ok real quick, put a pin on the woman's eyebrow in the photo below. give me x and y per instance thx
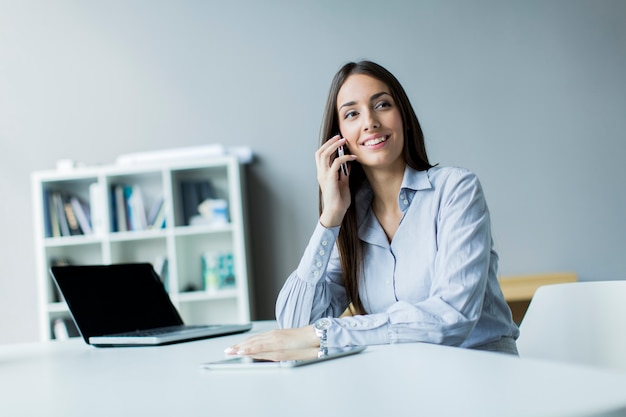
(349, 103)
(377, 95)
(372, 98)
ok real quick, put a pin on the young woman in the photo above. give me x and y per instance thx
(404, 246)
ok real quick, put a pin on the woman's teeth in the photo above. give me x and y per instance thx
(376, 141)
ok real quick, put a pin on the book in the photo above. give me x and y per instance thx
(72, 222)
(160, 267)
(97, 218)
(135, 207)
(160, 220)
(119, 208)
(156, 215)
(82, 213)
(64, 328)
(60, 213)
(47, 226)
(55, 227)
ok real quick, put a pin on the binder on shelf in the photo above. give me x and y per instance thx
(193, 194)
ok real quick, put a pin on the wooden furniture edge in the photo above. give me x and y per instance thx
(523, 287)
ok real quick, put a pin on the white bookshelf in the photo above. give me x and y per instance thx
(183, 245)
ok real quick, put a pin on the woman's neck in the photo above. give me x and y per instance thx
(385, 184)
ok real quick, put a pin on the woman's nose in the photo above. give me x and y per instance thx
(371, 121)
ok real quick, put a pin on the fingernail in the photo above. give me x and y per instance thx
(241, 352)
(229, 350)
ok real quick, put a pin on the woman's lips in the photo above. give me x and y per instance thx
(375, 141)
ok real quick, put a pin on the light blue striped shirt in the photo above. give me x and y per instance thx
(435, 282)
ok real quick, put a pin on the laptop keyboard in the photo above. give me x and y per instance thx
(162, 330)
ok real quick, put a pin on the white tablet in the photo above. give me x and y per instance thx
(283, 359)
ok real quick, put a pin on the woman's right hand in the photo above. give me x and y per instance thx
(334, 185)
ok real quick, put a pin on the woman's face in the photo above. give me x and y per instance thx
(371, 122)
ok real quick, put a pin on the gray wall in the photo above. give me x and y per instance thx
(531, 95)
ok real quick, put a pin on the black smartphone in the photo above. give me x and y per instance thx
(344, 166)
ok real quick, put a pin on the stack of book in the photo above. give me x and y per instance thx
(129, 212)
(66, 215)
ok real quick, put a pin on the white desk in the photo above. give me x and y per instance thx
(73, 379)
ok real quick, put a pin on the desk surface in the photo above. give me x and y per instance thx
(73, 379)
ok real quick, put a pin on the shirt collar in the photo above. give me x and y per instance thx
(412, 181)
(415, 180)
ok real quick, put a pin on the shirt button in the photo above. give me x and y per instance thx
(318, 264)
(406, 202)
(324, 243)
(402, 196)
(322, 252)
(316, 273)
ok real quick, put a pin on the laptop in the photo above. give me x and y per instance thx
(127, 305)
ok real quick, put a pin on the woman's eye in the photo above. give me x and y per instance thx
(350, 114)
(382, 104)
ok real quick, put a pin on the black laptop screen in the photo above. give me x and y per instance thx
(107, 299)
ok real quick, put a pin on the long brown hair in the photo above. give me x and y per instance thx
(348, 242)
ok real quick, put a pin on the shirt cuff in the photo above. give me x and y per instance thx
(371, 329)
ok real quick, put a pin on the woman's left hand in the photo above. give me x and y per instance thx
(274, 340)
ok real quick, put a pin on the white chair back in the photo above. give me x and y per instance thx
(580, 322)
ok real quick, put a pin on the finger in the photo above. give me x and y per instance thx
(328, 149)
(342, 160)
(340, 164)
(254, 344)
(330, 142)
(274, 340)
(332, 160)
(326, 145)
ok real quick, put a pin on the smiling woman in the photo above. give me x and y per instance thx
(405, 245)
